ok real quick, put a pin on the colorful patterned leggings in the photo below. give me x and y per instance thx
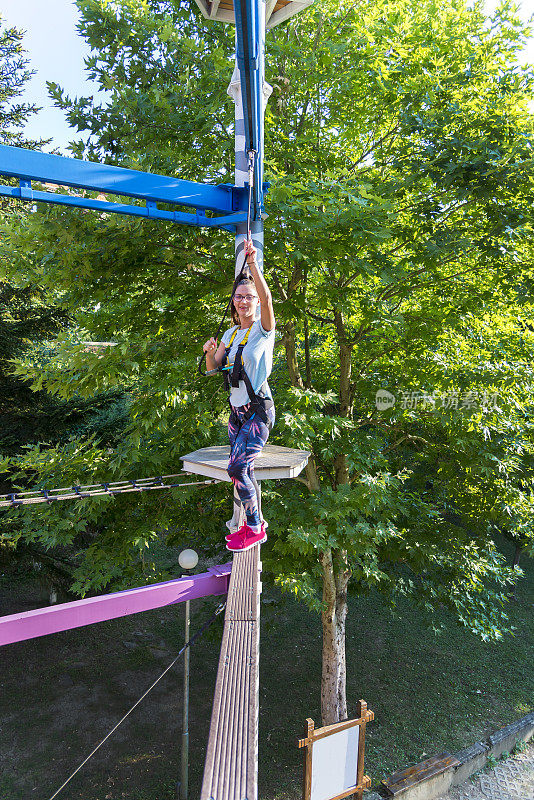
(247, 440)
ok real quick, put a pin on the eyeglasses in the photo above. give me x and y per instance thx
(249, 297)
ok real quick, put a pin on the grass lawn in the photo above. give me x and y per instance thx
(59, 695)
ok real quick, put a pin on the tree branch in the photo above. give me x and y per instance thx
(319, 318)
(277, 283)
(391, 291)
(376, 144)
(408, 437)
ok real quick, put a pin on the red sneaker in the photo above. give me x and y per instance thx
(245, 538)
(264, 526)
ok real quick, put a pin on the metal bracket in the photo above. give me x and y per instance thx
(26, 190)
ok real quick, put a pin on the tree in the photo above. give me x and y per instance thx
(26, 313)
(422, 210)
(31, 316)
(398, 245)
(15, 74)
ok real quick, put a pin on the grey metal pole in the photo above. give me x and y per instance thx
(241, 156)
(184, 783)
(241, 178)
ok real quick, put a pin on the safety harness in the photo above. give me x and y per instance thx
(235, 372)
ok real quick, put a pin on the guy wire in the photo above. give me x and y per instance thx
(193, 639)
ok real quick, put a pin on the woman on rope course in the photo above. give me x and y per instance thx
(245, 355)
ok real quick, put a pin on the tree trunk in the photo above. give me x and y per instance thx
(334, 673)
(517, 555)
(307, 355)
(336, 572)
(341, 466)
(291, 355)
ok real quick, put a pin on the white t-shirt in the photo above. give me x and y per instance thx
(257, 360)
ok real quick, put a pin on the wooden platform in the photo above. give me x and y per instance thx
(231, 768)
(273, 462)
(276, 11)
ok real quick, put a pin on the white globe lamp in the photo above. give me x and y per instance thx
(188, 559)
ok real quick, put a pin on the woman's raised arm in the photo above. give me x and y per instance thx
(264, 293)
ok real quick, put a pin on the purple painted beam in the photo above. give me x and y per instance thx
(64, 617)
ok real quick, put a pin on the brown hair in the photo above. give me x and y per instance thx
(233, 310)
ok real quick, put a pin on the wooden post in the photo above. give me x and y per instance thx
(184, 782)
(361, 711)
(306, 791)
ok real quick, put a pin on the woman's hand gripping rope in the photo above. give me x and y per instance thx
(210, 345)
(213, 356)
(250, 252)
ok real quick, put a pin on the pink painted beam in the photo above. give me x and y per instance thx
(64, 617)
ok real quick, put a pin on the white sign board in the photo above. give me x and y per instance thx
(335, 764)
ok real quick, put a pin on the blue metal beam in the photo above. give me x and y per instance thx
(250, 59)
(226, 222)
(16, 162)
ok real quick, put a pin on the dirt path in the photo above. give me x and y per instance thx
(512, 779)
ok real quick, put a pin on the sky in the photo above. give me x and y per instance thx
(56, 52)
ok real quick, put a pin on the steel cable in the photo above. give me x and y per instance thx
(193, 639)
(30, 497)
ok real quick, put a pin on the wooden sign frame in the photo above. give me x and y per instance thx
(313, 734)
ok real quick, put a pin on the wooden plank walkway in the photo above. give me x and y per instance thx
(231, 768)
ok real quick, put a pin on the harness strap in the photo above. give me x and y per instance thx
(258, 406)
(257, 402)
(237, 366)
(225, 366)
(234, 334)
(229, 345)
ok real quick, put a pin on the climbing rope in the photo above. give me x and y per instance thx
(251, 160)
(242, 273)
(96, 490)
(191, 641)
